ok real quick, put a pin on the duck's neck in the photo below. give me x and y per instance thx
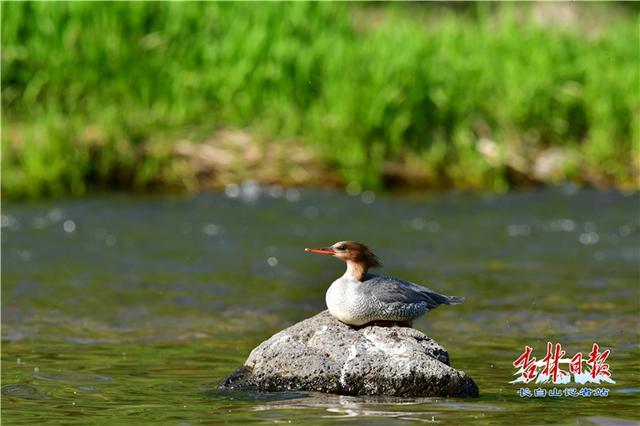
(356, 270)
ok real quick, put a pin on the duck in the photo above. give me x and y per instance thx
(359, 298)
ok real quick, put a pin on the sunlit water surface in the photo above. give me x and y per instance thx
(131, 309)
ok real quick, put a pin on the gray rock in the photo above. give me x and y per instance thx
(324, 355)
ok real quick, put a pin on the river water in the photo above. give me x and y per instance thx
(122, 309)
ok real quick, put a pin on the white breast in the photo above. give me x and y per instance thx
(345, 303)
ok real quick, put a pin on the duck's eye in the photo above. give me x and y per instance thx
(341, 247)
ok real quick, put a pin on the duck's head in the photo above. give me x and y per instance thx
(351, 252)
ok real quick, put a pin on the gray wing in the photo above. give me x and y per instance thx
(390, 290)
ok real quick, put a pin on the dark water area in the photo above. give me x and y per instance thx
(128, 309)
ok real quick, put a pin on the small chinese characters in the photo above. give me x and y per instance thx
(553, 368)
(584, 392)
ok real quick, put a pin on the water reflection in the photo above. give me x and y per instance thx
(70, 377)
(430, 410)
(21, 391)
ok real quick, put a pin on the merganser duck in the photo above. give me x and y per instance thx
(358, 298)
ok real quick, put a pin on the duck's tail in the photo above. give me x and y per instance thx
(454, 300)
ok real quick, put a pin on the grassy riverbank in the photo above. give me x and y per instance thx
(98, 95)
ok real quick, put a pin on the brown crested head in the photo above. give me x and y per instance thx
(351, 251)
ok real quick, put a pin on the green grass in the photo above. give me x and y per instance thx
(94, 94)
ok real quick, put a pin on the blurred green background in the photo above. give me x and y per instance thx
(189, 96)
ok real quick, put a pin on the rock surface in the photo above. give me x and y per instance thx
(324, 355)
